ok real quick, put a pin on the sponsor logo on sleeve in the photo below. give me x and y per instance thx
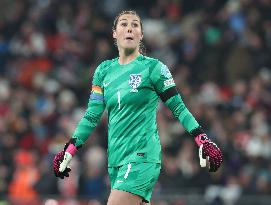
(169, 82)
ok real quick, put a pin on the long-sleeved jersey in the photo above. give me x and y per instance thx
(131, 94)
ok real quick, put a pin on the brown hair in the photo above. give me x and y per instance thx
(142, 48)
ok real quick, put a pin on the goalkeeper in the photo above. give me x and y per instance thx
(129, 87)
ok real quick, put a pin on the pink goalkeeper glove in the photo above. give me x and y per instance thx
(208, 150)
(63, 159)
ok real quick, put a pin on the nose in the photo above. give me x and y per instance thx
(129, 29)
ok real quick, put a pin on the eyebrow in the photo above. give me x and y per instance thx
(126, 20)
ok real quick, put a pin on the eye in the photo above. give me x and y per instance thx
(123, 24)
(135, 25)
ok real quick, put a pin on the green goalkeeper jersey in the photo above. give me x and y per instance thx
(130, 93)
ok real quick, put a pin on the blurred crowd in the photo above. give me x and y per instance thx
(219, 54)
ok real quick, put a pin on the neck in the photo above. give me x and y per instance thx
(126, 56)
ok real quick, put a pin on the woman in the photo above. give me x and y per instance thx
(129, 87)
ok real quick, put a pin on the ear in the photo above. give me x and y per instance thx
(114, 34)
(141, 37)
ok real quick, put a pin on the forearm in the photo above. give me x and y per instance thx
(180, 111)
(88, 122)
(83, 131)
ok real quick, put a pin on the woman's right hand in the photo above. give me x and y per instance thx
(58, 163)
(63, 159)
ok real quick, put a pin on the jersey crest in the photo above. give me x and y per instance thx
(134, 81)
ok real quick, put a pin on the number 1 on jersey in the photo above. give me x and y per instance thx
(118, 93)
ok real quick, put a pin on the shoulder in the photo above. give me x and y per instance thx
(107, 63)
(153, 64)
(149, 61)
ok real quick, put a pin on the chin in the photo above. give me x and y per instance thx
(131, 44)
(129, 49)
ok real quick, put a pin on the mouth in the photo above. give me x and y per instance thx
(129, 38)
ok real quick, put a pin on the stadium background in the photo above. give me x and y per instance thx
(219, 53)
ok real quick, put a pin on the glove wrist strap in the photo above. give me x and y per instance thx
(71, 149)
(201, 139)
(199, 136)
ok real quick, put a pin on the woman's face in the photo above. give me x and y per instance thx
(128, 33)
